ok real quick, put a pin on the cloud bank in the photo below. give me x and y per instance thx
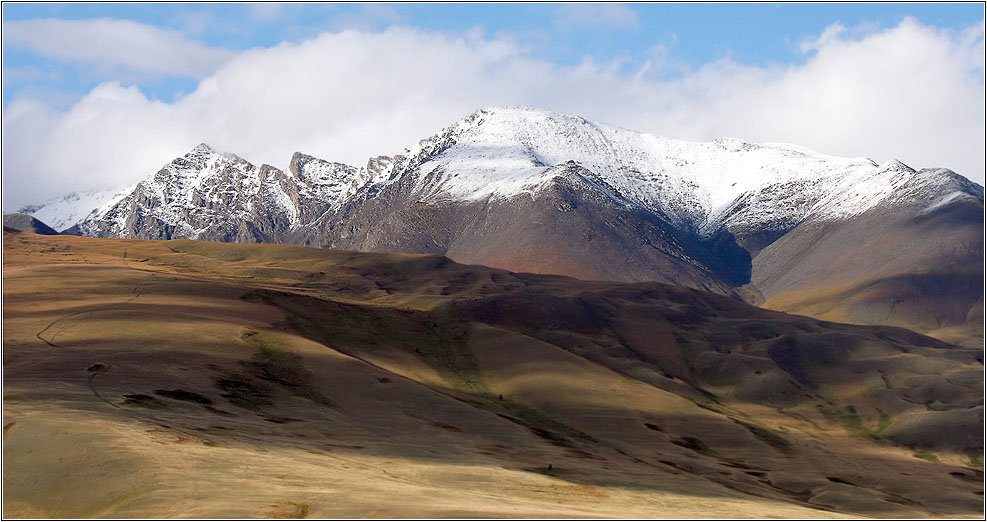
(912, 92)
(116, 44)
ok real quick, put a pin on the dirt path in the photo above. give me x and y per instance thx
(98, 368)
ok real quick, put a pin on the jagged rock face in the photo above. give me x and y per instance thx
(531, 190)
(203, 195)
(220, 197)
(322, 185)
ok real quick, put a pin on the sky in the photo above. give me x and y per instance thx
(99, 96)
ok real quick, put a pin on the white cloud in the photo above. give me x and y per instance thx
(113, 44)
(912, 92)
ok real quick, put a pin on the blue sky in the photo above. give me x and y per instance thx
(84, 81)
(692, 33)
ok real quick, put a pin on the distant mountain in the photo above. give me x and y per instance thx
(26, 223)
(537, 191)
(63, 212)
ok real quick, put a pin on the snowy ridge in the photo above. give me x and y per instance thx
(504, 153)
(323, 185)
(204, 185)
(211, 195)
(62, 213)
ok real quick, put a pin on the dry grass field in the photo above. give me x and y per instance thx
(183, 379)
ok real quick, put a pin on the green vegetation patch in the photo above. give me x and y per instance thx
(851, 421)
(883, 422)
(848, 417)
(273, 363)
(925, 455)
(976, 460)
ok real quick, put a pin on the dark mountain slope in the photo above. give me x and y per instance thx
(576, 226)
(26, 223)
(917, 264)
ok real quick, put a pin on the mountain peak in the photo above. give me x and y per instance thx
(507, 109)
(297, 162)
(518, 116)
(202, 148)
(895, 165)
(300, 156)
(304, 166)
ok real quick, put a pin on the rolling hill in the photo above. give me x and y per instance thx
(198, 379)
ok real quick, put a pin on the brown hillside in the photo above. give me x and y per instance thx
(209, 380)
(922, 271)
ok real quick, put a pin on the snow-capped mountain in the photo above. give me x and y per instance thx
(219, 196)
(63, 212)
(501, 153)
(530, 190)
(504, 152)
(202, 195)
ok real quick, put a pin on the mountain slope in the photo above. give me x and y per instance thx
(574, 226)
(287, 381)
(917, 262)
(532, 190)
(26, 223)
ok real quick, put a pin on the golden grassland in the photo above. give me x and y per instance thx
(198, 380)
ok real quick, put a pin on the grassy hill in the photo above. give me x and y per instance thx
(206, 380)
